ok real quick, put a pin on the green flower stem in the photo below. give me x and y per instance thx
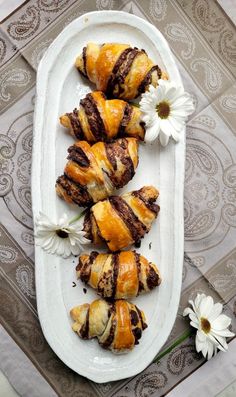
(135, 104)
(184, 336)
(77, 217)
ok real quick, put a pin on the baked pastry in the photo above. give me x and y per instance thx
(99, 119)
(118, 325)
(94, 172)
(120, 221)
(119, 275)
(118, 69)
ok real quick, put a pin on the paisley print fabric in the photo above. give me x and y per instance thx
(203, 43)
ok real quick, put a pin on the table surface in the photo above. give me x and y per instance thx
(202, 38)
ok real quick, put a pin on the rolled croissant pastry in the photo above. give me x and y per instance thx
(120, 221)
(119, 275)
(99, 119)
(118, 326)
(118, 69)
(94, 172)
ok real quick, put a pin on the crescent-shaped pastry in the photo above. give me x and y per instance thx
(94, 172)
(100, 119)
(119, 70)
(117, 325)
(119, 275)
(120, 221)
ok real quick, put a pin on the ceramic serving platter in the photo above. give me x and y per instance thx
(59, 89)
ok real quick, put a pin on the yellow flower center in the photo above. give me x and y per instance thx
(205, 325)
(61, 233)
(163, 109)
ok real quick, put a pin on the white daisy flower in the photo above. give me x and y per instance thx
(212, 326)
(61, 238)
(165, 110)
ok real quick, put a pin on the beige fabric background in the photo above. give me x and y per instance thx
(202, 39)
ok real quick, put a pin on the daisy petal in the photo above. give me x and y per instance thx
(201, 336)
(206, 306)
(221, 322)
(215, 311)
(164, 138)
(210, 349)
(187, 311)
(223, 332)
(152, 132)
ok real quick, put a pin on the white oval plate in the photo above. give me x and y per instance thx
(59, 89)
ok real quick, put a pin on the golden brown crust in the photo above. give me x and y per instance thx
(128, 275)
(122, 275)
(120, 70)
(111, 227)
(124, 338)
(118, 326)
(108, 56)
(94, 172)
(122, 221)
(100, 119)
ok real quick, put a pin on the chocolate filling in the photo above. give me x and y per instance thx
(75, 124)
(119, 151)
(147, 79)
(149, 203)
(88, 226)
(134, 317)
(126, 119)
(112, 79)
(142, 125)
(111, 335)
(95, 121)
(138, 264)
(137, 332)
(84, 332)
(84, 55)
(78, 193)
(79, 266)
(121, 70)
(144, 325)
(98, 231)
(115, 267)
(152, 278)
(136, 227)
(77, 155)
(86, 272)
(111, 152)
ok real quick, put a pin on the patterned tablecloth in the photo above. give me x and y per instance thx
(203, 42)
